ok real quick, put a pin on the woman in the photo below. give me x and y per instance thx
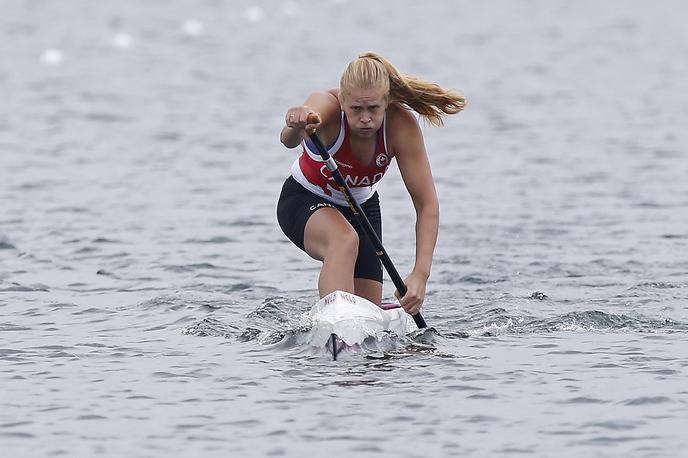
(366, 123)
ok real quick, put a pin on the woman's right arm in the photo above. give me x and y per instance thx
(324, 104)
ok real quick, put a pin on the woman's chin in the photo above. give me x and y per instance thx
(365, 132)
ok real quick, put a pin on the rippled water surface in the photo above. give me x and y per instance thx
(150, 306)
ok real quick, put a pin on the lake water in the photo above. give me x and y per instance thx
(150, 305)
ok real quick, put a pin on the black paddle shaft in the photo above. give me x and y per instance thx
(364, 221)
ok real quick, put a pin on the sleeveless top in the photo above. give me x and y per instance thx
(310, 171)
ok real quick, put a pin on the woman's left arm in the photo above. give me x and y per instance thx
(415, 170)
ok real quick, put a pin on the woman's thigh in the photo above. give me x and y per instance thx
(328, 229)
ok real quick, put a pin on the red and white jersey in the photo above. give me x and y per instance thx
(312, 173)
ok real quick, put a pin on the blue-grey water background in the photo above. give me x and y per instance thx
(150, 306)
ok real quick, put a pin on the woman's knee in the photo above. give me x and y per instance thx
(328, 233)
(341, 243)
(345, 243)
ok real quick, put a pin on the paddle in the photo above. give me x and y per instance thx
(361, 216)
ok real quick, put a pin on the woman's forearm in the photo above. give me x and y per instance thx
(427, 224)
(291, 137)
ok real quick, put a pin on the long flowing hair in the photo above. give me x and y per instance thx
(426, 98)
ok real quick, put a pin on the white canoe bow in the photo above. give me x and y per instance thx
(351, 319)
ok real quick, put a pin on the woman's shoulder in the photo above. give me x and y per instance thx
(400, 117)
(326, 104)
(325, 99)
(334, 92)
(402, 124)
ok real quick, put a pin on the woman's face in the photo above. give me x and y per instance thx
(364, 110)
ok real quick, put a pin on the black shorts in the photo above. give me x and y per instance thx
(296, 204)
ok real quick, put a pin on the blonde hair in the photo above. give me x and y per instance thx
(372, 71)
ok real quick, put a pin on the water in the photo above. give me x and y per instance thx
(150, 306)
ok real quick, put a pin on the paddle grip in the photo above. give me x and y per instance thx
(313, 118)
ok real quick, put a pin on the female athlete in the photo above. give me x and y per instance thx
(365, 123)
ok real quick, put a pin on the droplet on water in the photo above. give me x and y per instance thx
(253, 14)
(122, 40)
(52, 57)
(193, 28)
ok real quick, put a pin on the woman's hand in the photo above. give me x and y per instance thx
(302, 118)
(415, 292)
(318, 111)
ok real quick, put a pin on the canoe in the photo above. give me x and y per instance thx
(342, 319)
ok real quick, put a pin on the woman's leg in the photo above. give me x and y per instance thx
(369, 289)
(329, 237)
(368, 269)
